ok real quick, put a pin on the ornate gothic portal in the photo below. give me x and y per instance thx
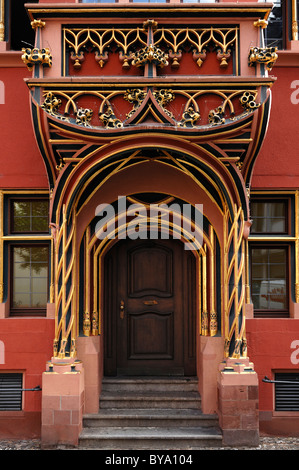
(157, 112)
(193, 141)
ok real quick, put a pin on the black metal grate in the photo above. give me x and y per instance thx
(287, 392)
(10, 392)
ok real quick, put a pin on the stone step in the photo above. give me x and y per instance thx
(152, 384)
(178, 400)
(149, 417)
(150, 414)
(150, 438)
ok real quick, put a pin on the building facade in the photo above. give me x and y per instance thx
(149, 217)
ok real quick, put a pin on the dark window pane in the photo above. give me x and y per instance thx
(30, 216)
(274, 31)
(269, 217)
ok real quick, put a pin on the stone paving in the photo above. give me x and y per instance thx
(266, 443)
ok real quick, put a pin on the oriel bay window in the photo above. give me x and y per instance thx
(269, 256)
(29, 254)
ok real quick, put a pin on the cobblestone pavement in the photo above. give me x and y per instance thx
(266, 443)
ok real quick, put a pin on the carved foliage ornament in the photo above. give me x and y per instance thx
(150, 54)
(266, 55)
(137, 97)
(36, 56)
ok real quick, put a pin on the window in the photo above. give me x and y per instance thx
(29, 279)
(269, 254)
(287, 391)
(269, 216)
(282, 24)
(30, 216)
(274, 31)
(28, 224)
(269, 280)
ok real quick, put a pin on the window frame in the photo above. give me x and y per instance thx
(275, 240)
(287, 202)
(26, 311)
(11, 215)
(273, 313)
(9, 239)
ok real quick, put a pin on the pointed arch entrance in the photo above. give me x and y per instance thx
(186, 174)
(150, 299)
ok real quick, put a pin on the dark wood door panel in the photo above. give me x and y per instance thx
(150, 271)
(150, 334)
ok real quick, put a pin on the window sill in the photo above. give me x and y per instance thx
(286, 414)
(288, 58)
(28, 314)
(271, 316)
(10, 58)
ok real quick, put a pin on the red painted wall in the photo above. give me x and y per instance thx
(21, 165)
(277, 165)
(26, 344)
(273, 346)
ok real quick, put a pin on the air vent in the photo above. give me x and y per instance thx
(287, 392)
(10, 392)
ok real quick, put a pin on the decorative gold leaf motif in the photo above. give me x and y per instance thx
(36, 56)
(266, 55)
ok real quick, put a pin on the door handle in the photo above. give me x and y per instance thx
(150, 302)
(122, 310)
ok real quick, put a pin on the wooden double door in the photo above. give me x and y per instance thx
(150, 303)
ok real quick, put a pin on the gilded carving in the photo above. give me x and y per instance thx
(109, 119)
(37, 24)
(163, 97)
(189, 118)
(84, 116)
(247, 100)
(216, 116)
(86, 324)
(51, 103)
(213, 323)
(139, 46)
(150, 54)
(135, 97)
(266, 55)
(36, 56)
(95, 323)
(81, 40)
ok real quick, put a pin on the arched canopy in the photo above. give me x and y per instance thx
(76, 185)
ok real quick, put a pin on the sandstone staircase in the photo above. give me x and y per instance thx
(150, 414)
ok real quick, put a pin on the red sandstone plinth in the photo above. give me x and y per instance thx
(62, 402)
(238, 403)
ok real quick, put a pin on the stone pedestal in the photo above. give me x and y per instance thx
(89, 349)
(62, 402)
(238, 403)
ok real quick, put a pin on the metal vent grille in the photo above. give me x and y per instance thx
(287, 392)
(10, 392)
